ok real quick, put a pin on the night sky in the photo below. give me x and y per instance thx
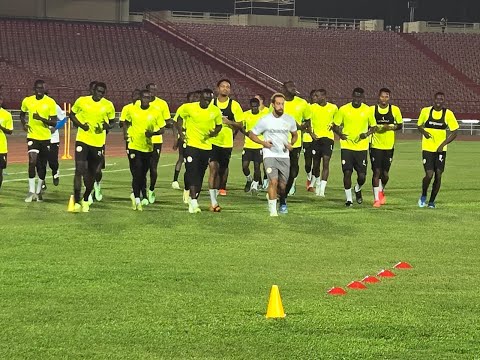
(394, 12)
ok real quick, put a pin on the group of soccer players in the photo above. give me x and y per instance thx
(204, 128)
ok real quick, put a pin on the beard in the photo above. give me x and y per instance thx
(278, 112)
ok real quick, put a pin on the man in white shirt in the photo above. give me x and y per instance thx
(276, 129)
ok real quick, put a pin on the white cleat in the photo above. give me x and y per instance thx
(175, 185)
(30, 197)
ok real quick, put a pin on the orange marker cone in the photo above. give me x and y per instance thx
(403, 265)
(357, 285)
(71, 204)
(386, 273)
(370, 280)
(336, 291)
(275, 307)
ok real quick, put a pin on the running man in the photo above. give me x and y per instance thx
(204, 122)
(223, 143)
(299, 109)
(389, 119)
(42, 113)
(276, 128)
(433, 123)
(357, 124)
(6, 128)
(251, 150)
(193, 96)
(141, 123)
(307, 148)
(323, 114)
(92, 116)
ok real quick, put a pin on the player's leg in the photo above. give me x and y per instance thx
(316, 160)
(257, 174)
(360, 166)
(272, 172)
(385, 174)
(437, 182)
(81, 170)
(41, 166)
(53, 162)
(375, 158)
(429, 168)
(246, 158)
(347, 168)
(3, 165)
(308, 157)
(326, 152)
(213, 177)
(178, 165)
(33, 150)
(154, 160)
(224, 170)
(294, 168)
(283, 168)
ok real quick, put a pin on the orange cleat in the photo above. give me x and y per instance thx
(382, 198)
(215, 208)
(222, 192)
(377, 204)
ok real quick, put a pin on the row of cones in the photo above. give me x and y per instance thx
(360, 285)
(275, 307)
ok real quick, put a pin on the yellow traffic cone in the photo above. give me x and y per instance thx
(71, 204)
(275, 307)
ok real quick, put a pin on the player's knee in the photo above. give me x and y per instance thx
(429, 174)
(361, 178)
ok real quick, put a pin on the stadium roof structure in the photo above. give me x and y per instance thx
(265, 7)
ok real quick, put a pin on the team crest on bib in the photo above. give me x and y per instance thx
(343, 162)
(243, 152)
(424, 161)
(132, 156)
(79, 149)
(313, 152)
(30, 143)
(189, 159)
(269, 170)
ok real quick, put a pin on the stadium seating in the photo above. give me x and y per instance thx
(70, 55)
(339, 61)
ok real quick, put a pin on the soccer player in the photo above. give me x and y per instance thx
(6, 128)
(42, 113)
(323, 114)
(92, 115)
(204, 122)
(433, 123)
(262, 106)
(142, 123)
(193, 96)
(389, 119)
(307, 148)
(299, 109)
(123, 116)
(251, 150)
(162, 106)
(276, 128)
(358, 124)
(223, 143)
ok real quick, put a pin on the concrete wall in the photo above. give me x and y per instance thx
(100, 10)
(423, 26)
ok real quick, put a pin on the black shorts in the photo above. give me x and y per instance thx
(92, 154)
(322, 147)
(3, 161)
(255, 155)
(307, 149)
(434, 160)
(196, 163)
(353, 159)
(157, 150)
(381, 159)
(295, 155)
(41, 147)
(221, 155)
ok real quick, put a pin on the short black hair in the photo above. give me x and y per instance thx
(100, 84)
(261, 96)
(210, 91)
(136, 91)
(149, 85)
(323, 91)
(92, 84)
(287, 82)
(359, 90)
(190, 94)
(313, 92)
(224, 80)
(38, 82)
(384, 90)
(254, 100)
(439, 93)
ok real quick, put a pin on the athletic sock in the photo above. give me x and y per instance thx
(357, 188)
(272, 206)
(309, 176)
(323, 186)
(31, 185)
(313, 181)
(249, 177)
(39, 186)
(376, 191)
(348, 195)
(254, 185)
(213, 196)
(380, 185)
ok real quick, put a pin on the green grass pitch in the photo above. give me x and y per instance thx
(165, 284)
